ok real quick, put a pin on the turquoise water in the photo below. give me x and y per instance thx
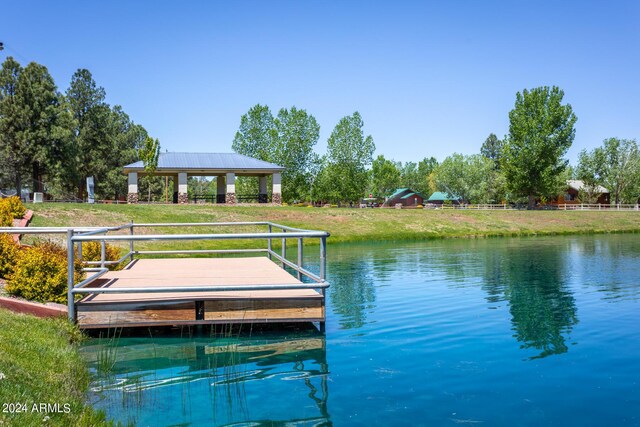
(499, 332)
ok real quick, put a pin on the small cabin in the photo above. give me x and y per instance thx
(404, 197)
(574, 187)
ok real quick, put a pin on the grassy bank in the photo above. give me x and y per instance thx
(40, 364)
(352, 225)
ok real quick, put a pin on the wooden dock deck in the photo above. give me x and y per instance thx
(110, 310)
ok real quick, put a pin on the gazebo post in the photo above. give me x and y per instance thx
(132, 196)
(183, 198)
(230, 197)
(276, 197)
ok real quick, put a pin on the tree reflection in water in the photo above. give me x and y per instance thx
(532, 278)
(352, 293)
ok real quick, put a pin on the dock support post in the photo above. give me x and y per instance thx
(131, 241)
(269, 243)
(284, 248)
(70, 277)
(199, 310)
(299, 258)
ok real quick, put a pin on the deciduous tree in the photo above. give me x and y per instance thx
(541, 131)
(385, 176)
(615, 166)
(149, 153)
(297, 133)
(467, 177)
(349, 152)
(257, 134)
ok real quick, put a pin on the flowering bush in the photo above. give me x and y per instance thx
(40, 273)
(8, 254)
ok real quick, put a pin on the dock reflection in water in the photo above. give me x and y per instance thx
(222, 379)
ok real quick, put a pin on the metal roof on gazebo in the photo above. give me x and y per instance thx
(207, 162)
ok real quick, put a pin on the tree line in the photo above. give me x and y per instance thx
(60, 139)
(526, 166)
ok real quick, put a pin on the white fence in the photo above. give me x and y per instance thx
(561, 206)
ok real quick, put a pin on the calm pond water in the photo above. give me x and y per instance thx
(500, 332)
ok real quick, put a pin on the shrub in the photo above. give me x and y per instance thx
(91, 251)
(8, 254)
(16, 207)
(40, 273)
(6, 219)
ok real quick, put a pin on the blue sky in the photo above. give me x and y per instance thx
(429, 78)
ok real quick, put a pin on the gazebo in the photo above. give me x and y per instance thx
(224, 166)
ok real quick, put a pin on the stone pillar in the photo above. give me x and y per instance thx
(262, 194)
(182, 188)
(276, 197)
(230, 198)
(221, 189)
(132, 196)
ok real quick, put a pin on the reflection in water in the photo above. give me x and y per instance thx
(542, 307)
(139, 378)
(531, 275)
(352, 293)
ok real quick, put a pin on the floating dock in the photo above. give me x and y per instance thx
(200, 286)
(133, 309)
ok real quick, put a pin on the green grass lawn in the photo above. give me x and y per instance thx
(351, 225)
(40, 364)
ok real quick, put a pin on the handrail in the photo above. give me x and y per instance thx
(56, 230)
(198, 224)
(229, 236)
